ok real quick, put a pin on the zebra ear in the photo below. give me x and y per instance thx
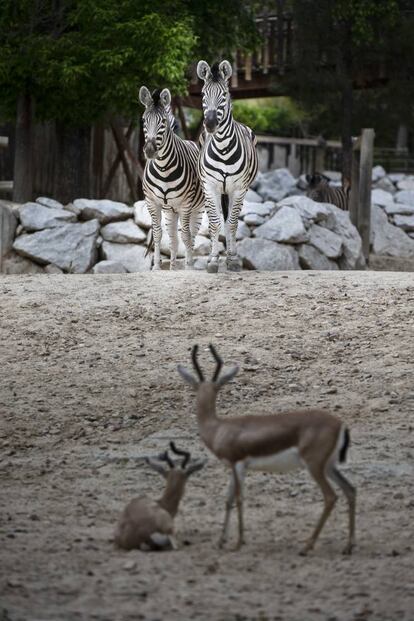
(165, 97)
(225, 69)
(203, 70)
(145, 96)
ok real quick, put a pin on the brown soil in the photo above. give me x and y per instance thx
(89, 384)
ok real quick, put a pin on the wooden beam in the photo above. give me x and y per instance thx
(120, 143)
(115, 164)
(354, 194)
(365, 182)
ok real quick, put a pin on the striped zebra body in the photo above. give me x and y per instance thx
(320, 191)
(171, 184)
(228, 160)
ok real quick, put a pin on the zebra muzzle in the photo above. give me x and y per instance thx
(150, 149)
(210, 121)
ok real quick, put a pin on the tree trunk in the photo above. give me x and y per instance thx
(347, 107)
(23, 160)
(73, 168)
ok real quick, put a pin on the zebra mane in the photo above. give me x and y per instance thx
(156, 97)
(215, 72)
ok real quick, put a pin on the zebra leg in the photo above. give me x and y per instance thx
(171, 222)
(186, 237)
(155, 213)
(235, 205)
(196, 218)
(213, 206)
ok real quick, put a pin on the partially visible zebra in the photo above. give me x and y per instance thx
(171, 184)
(320, 191)
(228, 160)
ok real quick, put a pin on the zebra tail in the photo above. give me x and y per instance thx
(150, 246)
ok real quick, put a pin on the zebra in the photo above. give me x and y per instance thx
(171, 184)
(227, 163)
(320, 191)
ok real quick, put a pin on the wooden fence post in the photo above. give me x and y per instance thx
(354, 194)
(365, 182)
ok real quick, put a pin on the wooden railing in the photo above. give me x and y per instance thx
(6, 187)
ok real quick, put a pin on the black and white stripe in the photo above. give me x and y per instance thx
(171, 184)
(320, 191)
(228, 160)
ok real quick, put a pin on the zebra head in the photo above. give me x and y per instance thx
(215, 92)
(157, 119)
(317, 184)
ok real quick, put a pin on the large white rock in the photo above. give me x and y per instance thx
(36, 217)
(378, 173)
(311, 259)
(165, 244)
(108, 267)
(404, 222)
(309, 210)
(326, 241)
(252, 197)
(131, 256)
(405, 196)
(406, 184)
(102, 210)
(275, 184)
(71, 247)
(204, 230)
(401, 208)
(334, 176)
(396, 177)
(262, 254)
(387, 239)
(49, 202)
(242, 230)
(259, 209)
(381, 198)
(340, 223)
(386, 184)
(202, 245)
(253, 219)
(8, 225)
(285, 226)
(141, 215)
(123, 232)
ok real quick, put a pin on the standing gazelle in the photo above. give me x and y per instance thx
(272, 443)
(147, 524)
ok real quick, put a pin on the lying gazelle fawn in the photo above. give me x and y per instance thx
(272, 443)
(147, 524)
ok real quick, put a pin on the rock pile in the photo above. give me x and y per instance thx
(279, 229)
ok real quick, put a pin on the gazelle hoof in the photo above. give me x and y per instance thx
(348, 549)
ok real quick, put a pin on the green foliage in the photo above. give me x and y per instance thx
(82, 60)
(280, 116)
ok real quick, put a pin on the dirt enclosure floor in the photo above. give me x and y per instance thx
(88, 384)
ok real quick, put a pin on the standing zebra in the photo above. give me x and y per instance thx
(228, 160)
(320, 191)
(171, 182)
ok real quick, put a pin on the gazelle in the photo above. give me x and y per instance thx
(146, 524)
(273, 443)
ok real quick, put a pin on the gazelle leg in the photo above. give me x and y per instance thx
(239, 503)
(350, 493)
(231, 494)
(329, 498)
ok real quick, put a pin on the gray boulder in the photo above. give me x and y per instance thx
(378, 173)
(123, 232)
(381, 197)
(253, 219)
(108, 267)
(339, 222)
(311, 259)
(141, 215)
(36, 217)
(262, 254)
(275, 184)
(8, 225)
(49, 202)
(334, 176)
(386, 184)
(71, 247)
(14, 264)
(405, 196)
(326, 241)
(407, 183)
(52, 269)
(404, 222)
(401, 208)
(387, 239)
(309, 210)
(71, 207)
(131, 256)
(102, 210)
(242, 230)
(259, 209)
(285, 226)
(252, 197)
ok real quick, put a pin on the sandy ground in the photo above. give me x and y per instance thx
(88, 384)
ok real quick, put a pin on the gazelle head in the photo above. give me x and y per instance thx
(215, 92)
(175, 471)
(207, 388)
(157, 119)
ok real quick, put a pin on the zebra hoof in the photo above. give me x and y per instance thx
(156, 267)
(212, 267)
